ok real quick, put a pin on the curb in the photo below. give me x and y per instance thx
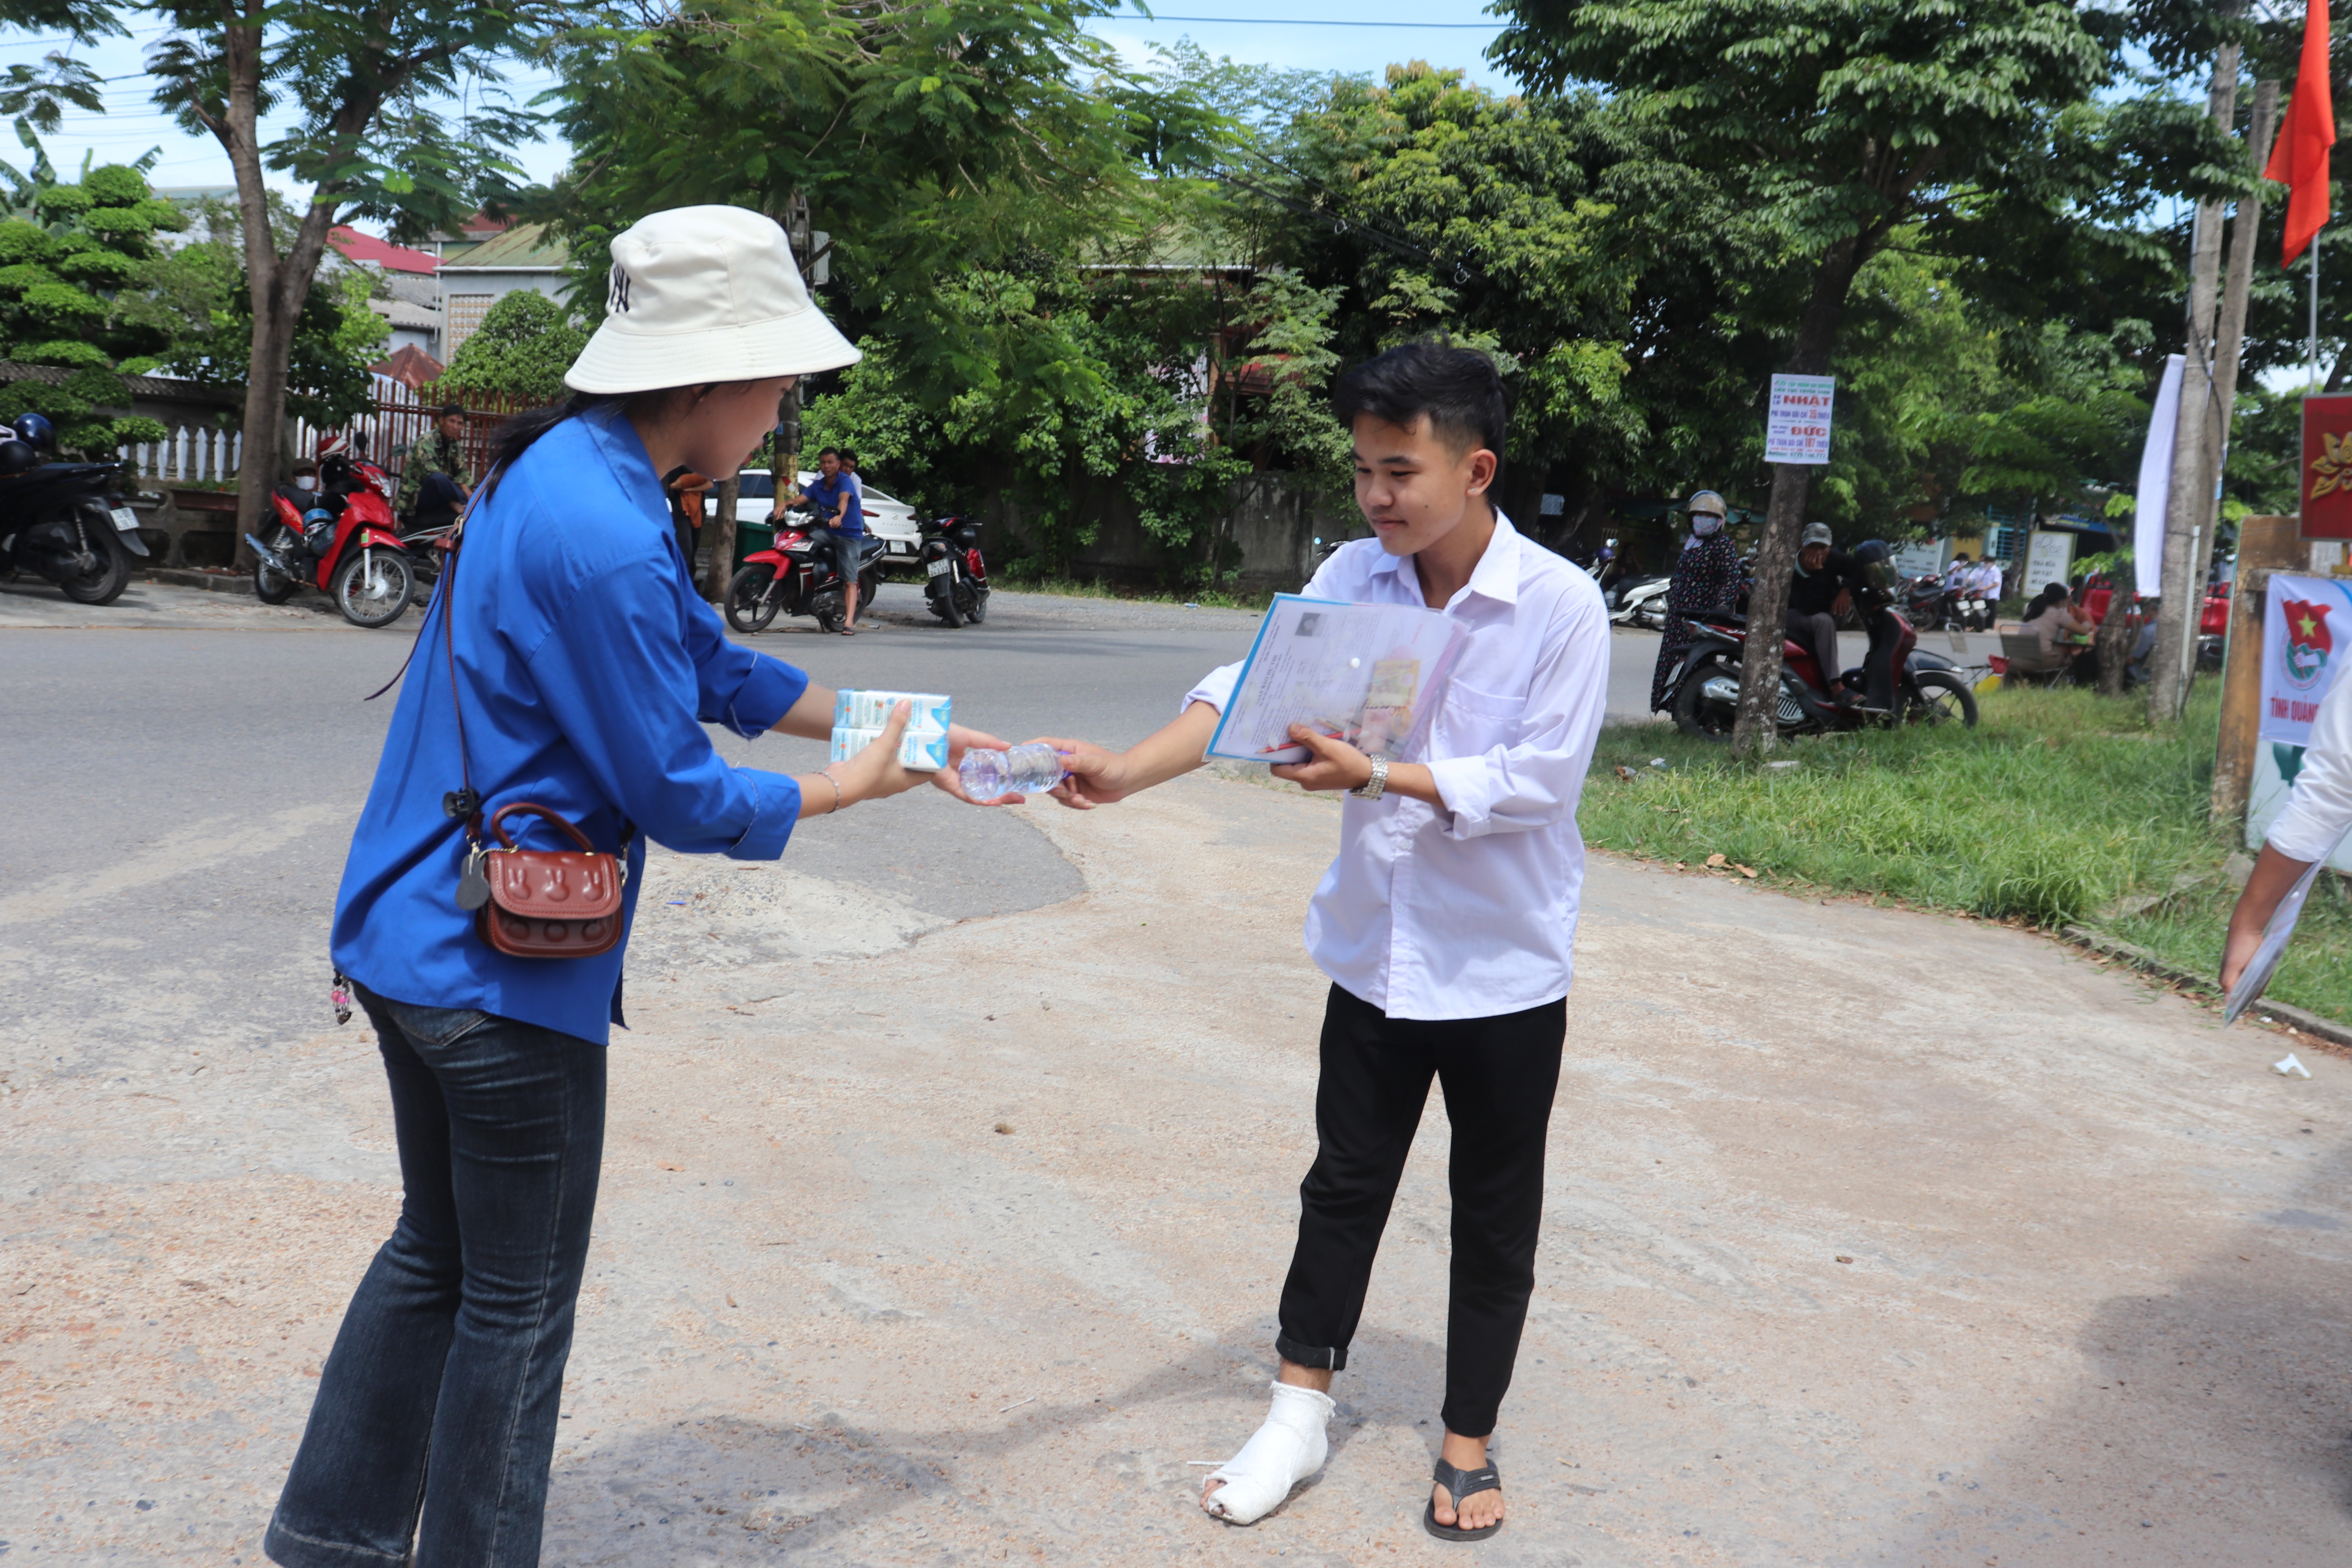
(305, 597)
(2140, 958)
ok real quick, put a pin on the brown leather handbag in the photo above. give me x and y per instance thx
(547, 903)
(527, 904)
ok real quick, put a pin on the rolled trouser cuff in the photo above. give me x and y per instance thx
(1323, 1358)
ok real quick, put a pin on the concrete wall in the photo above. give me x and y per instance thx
(1271, 521)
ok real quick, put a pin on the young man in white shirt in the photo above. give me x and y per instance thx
(1445, 923)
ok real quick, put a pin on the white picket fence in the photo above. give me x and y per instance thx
(190, 454)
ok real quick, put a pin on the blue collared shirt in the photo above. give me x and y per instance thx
(587, 665)
(838, 496)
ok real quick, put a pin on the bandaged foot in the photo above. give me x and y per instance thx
(1287, 1449)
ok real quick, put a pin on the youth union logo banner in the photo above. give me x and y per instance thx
(2299, 651)
(2304, 658)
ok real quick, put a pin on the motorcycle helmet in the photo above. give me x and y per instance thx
(319, 530)
(1870, 551)
(333, 446)
(35, 430)
(17, 456)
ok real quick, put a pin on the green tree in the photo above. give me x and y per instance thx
(1842, 124)
(198, 292)
(522, 347)
(368, 138)
(74, 262)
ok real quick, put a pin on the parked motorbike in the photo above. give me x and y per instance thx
(1928, 687)
(66, 522)
(796, 578)
(348, 546)
(1923, 603)
(1640, 602)
(955, 577)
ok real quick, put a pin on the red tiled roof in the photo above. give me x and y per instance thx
(411, 366)
(367, 247)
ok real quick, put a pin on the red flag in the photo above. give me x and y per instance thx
(2299, 158)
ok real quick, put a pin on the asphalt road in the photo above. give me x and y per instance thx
(184, 769)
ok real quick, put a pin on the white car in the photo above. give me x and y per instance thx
(887, 519)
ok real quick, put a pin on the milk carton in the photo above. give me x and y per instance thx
(858, 718)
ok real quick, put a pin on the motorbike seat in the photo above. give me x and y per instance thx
(869, 548)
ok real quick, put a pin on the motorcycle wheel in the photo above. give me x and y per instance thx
(829, 608)
(977, 610)
(1944, 699)
(944, 605)
(750, 606)
(104, 585)
(271, 585)
(374, 597)
(1696, 714)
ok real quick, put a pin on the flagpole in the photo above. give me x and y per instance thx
(2315, 314)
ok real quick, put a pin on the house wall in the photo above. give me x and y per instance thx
(466, 297)
(1270, 520)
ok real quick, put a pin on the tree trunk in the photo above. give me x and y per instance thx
(2194, 437)
(2230, 338)
(2112, 645)
(1755, 730)
(722, 540)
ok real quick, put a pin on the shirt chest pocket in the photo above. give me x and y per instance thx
(1470, 722)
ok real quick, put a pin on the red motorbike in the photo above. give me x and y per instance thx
(955, 576)
(796, 578)
(1928, 687)
(346, 544)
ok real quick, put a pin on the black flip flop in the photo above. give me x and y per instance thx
(1461, 1484)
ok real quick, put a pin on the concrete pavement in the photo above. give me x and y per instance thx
(934, 1235)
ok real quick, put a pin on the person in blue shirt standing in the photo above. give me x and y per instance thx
(841, 505)
(567, 662)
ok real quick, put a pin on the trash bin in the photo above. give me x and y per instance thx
(750, 537)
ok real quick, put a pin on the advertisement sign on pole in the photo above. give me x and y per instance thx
(1923, 559)
(1796, 426)
(2327, 467)
(2049, 558)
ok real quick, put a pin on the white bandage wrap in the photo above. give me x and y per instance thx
(1287, 1449)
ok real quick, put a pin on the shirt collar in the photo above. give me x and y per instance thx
(1496, 575)
(616, 439)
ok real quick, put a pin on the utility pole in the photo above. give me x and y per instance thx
(2191, 499)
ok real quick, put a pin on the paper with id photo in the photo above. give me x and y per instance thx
(1370, 674)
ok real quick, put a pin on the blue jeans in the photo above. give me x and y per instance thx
(454, 1343)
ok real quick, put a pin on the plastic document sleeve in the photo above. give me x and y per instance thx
(1371, 675)
(2275, 935)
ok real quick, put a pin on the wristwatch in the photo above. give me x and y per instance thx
(1371, 788)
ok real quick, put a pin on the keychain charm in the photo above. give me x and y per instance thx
(338, 992)
(473, 888)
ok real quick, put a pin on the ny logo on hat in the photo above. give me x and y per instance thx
(617, 300)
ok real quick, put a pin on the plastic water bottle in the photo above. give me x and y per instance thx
(1025, 770)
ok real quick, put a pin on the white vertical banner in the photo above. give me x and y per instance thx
(2155, 490)
(1796, 424)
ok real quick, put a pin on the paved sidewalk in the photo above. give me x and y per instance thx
(931, 1243)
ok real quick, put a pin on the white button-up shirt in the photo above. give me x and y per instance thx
(2320, 807)
(1470, 910)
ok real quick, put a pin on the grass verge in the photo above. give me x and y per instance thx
(2059, 807)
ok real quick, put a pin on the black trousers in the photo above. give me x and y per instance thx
(1499, 1075)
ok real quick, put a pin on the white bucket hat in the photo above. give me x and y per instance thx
(702, 294)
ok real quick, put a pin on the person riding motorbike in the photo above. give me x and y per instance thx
(1706, 579)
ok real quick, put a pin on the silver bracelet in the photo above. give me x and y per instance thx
(1371, 787)
(826, 774)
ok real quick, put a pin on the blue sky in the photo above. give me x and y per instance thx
(1362, 36)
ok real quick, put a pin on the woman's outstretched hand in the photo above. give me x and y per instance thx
(950, 778)
(872, 774)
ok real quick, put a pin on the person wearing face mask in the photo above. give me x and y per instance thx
(301, 488)
(1706, 579)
